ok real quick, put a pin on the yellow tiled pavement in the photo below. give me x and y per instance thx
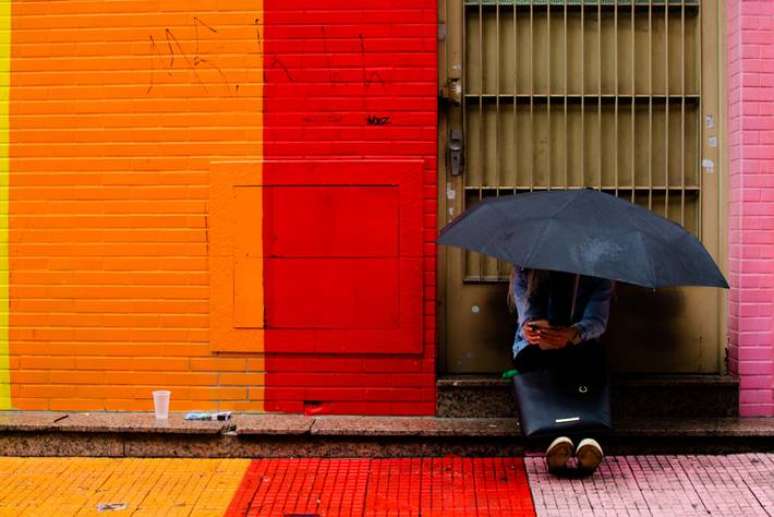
(76, 486)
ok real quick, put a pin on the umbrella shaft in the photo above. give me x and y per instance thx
(574, 298)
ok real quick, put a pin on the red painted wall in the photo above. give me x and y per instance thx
(352, 83)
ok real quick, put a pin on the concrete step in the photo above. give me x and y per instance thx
(275, 435)
(660, 396)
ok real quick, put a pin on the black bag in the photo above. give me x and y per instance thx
(553, 403)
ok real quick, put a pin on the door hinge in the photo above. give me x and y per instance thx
(442, 32)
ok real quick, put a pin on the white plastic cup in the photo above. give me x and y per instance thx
(161, 404)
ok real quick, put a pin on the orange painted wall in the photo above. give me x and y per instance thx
(118, 108)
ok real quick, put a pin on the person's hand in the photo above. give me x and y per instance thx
(557, 337)
(533, 337)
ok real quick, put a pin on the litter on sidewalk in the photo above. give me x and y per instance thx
(219, 416)
(111, 507)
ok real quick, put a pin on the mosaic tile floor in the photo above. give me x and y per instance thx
(735, 485)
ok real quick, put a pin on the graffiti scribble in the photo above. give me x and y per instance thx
(373, 120)
(278, 63)
(156, 53)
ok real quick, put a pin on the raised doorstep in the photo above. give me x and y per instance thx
(662, 396)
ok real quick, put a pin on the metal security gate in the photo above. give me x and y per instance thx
(619, 95)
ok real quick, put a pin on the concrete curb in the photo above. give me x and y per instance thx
(276, 435)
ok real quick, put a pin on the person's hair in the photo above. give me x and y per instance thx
(534, 278)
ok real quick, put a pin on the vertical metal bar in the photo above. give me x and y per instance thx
(497, 99)
(482, 122)
(617, 93)
(668, 43)
(600, 93)
(566, 93)
(515, 142)
(682, 113)
(549, 169)
(582, 95)
(599, 46)
(548, 46)
(493, 268)
(700, 131)
(532, 95)
(464, 82)
(634, 100)
(650, 104)
(463, 106)
(482, 160)
(566, 53)
(463, 79)
(667, 114)
(549, 164)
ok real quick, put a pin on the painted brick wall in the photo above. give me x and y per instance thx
(751, 210)
(117, 111)
(355, 80)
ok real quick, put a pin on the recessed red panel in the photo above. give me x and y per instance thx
(342, 272)
(331, 221)
(334, 293)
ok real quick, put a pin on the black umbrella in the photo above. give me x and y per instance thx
(585, 232)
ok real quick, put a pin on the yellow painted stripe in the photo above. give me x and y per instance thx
(5, 94)
(76, 486)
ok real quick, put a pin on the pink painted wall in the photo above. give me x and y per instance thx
(751, 201)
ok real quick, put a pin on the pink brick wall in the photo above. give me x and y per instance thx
(751, 201)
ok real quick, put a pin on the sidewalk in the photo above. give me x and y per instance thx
(737, 485)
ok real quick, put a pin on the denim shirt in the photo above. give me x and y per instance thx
(592, 305)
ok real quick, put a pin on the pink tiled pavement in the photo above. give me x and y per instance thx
(736, 485)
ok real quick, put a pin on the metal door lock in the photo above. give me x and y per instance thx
(454, 157)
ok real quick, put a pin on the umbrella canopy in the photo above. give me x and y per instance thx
(585, 232)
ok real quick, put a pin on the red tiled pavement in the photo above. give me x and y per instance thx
(381, 487)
